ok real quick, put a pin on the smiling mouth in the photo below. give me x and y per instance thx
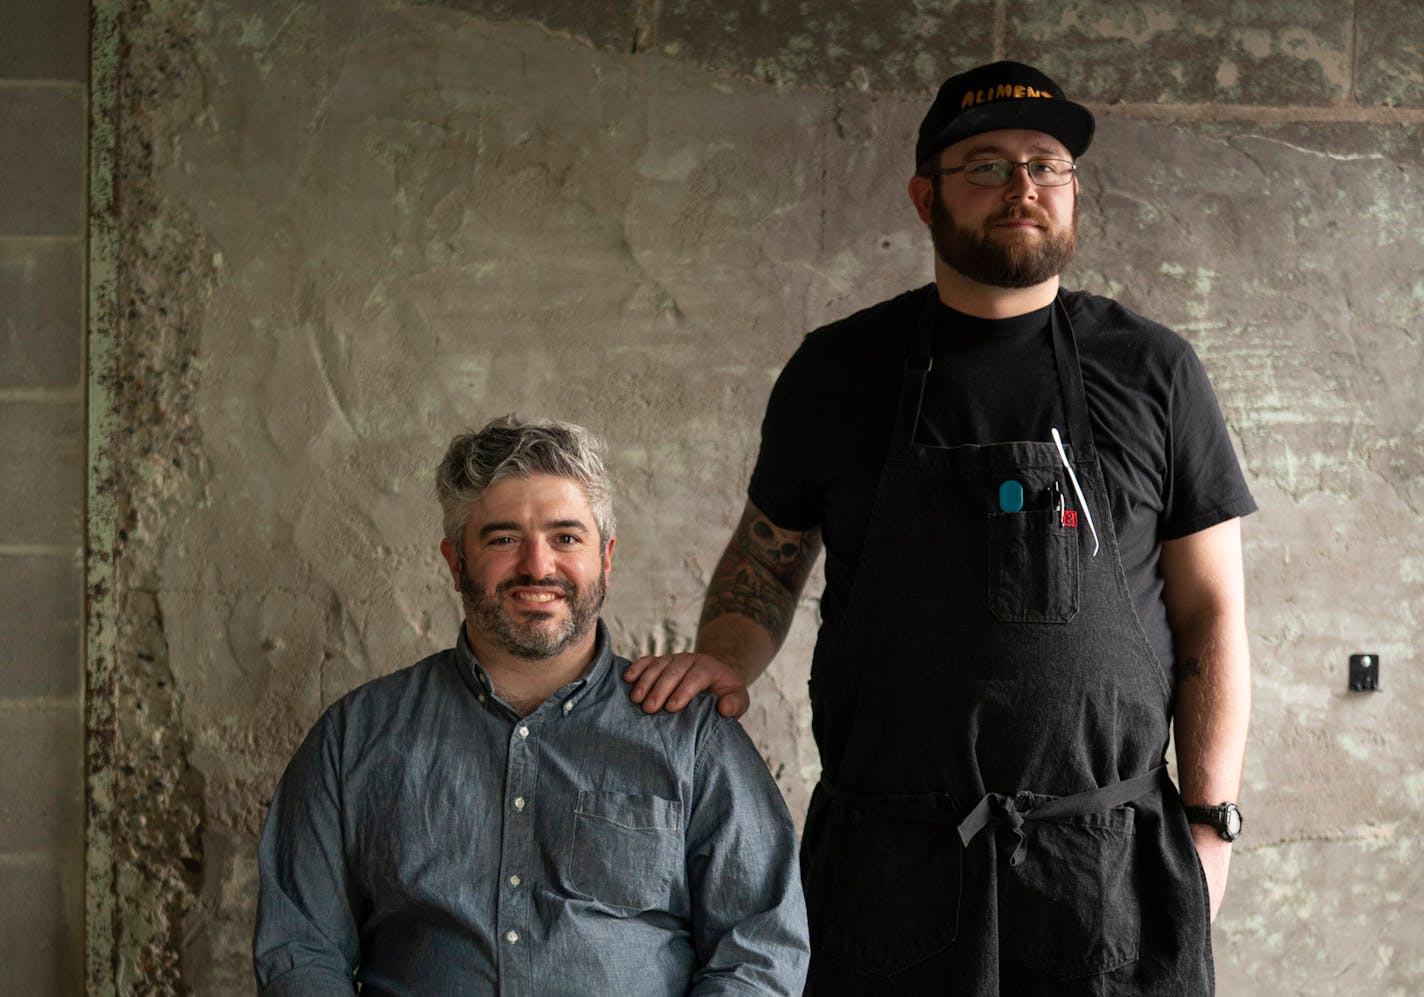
(536, 596)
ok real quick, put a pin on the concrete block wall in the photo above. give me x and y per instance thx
(348, 228)
(44, 59)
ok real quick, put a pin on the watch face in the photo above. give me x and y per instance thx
(1233, 822)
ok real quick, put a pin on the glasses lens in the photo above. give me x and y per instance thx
(997, 172)
(988, 172)
(1050, 172)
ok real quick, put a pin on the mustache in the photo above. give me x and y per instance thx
(1028, 212)
(529, 581)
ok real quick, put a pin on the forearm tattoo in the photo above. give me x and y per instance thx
(762, 572)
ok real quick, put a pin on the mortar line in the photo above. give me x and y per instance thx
(23, 240)
(40, 550)
(32, 703)
(35, 859)
(73, 86)
(66, 396)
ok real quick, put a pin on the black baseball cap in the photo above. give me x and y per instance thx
(1002, 95)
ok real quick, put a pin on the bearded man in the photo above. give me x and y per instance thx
(500, 818)
(1031, 514)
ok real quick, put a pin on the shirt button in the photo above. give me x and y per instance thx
(513, 937)
(568, 707)
(514, 881)
(481, 697)
(523, 731)
(519, 803)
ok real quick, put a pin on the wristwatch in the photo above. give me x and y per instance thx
(1226, 818)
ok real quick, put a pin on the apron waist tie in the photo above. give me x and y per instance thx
(996, 808)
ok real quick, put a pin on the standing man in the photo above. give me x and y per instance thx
(500, 818)
(1030, 508)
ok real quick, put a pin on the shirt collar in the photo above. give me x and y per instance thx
(566, 698)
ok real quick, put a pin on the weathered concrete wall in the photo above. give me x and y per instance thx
(350, 228)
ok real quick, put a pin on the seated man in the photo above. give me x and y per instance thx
(499, 818)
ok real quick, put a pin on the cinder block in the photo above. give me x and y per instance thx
(1391, 38)
(42, 780)
(42, 460)
(902, 45)
(41, 926)
(40, 625)
(42, 319)
(1208, 51)
(42, 160)
(45, 40)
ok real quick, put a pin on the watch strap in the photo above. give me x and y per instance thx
(1218, 817)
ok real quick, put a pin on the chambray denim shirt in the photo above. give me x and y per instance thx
(427, 840)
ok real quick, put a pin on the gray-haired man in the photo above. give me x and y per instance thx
(499, 818)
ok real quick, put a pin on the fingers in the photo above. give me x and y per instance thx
(734, 704)
(671, 681)
(657, 678)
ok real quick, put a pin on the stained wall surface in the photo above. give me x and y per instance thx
(349, 228)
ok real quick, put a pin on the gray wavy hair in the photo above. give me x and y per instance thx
(509, 447)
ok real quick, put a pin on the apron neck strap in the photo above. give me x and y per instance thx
(1070, 380)
(919, 361)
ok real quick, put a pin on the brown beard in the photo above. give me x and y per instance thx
(980, 257)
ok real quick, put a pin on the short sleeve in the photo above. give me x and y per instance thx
(1205, 485)
(782, 483)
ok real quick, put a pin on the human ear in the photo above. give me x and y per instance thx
(922, 196)
(452, 558)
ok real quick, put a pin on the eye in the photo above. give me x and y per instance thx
(568, 540)
(985, 167)
(1047, 167)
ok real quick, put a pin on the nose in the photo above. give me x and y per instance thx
(1020, 187)
(537, 559)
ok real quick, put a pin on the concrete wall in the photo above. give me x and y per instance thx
(348, 228)
(43, 73)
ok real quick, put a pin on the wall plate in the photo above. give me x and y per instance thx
(1364, 673)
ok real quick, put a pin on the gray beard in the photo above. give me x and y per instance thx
(977, 256)
(488, 616)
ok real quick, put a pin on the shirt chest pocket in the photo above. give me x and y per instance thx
(626, 849)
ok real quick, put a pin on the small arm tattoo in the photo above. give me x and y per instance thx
(1189, 668)
(762, 572)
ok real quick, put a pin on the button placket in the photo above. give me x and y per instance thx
(516, 859)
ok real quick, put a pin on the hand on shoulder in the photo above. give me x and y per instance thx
(670, 681)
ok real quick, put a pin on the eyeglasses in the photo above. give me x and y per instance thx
(998, 172)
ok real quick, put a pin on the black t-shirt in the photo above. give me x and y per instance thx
(1165, 453)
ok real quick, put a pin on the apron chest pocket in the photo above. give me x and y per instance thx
(1033, 567)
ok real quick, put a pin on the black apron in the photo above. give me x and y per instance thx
(993, 815)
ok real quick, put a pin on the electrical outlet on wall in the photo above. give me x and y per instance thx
(1364, 673)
